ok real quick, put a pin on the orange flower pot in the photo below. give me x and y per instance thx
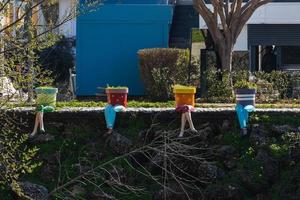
(184, 96)
(117, 96)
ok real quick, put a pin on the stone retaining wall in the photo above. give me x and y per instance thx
(94, 117)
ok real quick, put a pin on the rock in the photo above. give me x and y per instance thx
(223, 192)
(7, 90)
(77, 190)
(228, 155)
(155, 164)
(226, 125)
(270, 165)
(281, 129)
(173, 192)
(258, 136)
(207, 172)
(43, 138)
(59, 126)
(119, 144)
(34, 191)
(115, 176)
(252, 183)
(147, 136)
(226, 152)
(101, 195)
(230, 164)
(205, 133)
(295, 154)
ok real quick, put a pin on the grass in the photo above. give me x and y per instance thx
(167, 104)
(197, 36)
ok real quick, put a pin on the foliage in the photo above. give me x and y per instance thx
(21, 63)
(218, 87)
(116, 87)
(240, 75)
(271, 87)
(197, 36)
(58, 58)
(16, 159)
(280, 81)
(240, 61)
(162, 68)
(243, 84)
(19, 44)
(183, 87)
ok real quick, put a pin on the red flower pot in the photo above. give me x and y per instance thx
(117, 96)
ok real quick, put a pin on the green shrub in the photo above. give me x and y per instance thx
(240, 75)
(163, 67)
(243, 84)
(265, 92)
(218, 86)
(58, 58)
(280, 81)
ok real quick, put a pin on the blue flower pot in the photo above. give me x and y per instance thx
(245, 96)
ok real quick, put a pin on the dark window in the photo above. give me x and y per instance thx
(291, 55)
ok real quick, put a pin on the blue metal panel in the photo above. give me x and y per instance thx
(108, 40)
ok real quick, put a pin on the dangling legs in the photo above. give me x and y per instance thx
(110, 116)
(189, 119)
(41, 121)
(183, 121)
(243, 116)
(36, 125)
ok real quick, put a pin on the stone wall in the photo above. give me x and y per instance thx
(93, 118)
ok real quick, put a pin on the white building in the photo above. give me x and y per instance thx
(276, 24)
(63, 12)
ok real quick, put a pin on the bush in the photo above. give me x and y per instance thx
(244, 84)
(58, 58)
(218, 86)
(265, 92)
(270, 86)
(280, 80)
(163, 67)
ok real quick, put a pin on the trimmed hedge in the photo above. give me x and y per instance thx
(161, 68)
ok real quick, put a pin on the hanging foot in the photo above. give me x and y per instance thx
(180, 134)
(244, 132)
(108, 132)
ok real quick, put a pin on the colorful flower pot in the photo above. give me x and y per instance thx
(245, 96)
(117, 96)
(184, 96)
(46, 96)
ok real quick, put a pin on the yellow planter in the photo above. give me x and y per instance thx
(184, 95)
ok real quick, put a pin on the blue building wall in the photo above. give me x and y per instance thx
(108, 40)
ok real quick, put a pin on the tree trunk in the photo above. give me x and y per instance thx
(225, 51)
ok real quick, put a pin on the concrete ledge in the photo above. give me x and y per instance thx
(154, 110)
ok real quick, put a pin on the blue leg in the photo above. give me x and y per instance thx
(243, 115)
(110, 116)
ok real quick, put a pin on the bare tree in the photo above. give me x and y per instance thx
(179, 167)
(225, 20)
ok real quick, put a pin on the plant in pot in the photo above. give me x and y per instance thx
(46, 96)
(185, 102)
(245, 100)
(117, 95)
(245, 92)
(184, 95)
(45, 102)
